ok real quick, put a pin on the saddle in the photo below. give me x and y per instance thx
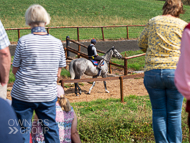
(95, 63)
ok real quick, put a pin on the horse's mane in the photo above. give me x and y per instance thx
(107, 52)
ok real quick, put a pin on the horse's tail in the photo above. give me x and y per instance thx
(71, 70)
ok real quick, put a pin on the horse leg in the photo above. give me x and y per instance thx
(91, 87)
(93, 84)
(105, 87)
(77, 86)
(104, 76)
(79, 89)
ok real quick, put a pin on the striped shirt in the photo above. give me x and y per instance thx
(38, 58)
(4, 40)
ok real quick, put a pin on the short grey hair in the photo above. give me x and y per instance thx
(37, 14)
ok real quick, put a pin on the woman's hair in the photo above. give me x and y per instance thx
(64, 103)
(37, 14)
(173, 7)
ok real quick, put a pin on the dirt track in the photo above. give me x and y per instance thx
(131, 87)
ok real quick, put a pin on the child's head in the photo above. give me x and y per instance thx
(63, 102)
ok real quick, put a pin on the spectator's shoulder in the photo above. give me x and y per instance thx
(25, 37)
(154, 19)
(55, 39)
(4, 103)
(1, 25)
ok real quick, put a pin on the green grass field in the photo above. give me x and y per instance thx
(86, 13)
(109, 121)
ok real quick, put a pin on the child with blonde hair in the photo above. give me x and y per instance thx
(65, 118)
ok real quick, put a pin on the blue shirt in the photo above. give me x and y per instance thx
(9, 129)
(4, 40)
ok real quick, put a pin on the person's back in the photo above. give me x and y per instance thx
(9, 128)
(91, 50)
(164, 39)
(161, 39)
(40, 61)
(64, 120)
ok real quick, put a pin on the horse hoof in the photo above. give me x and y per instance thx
(80, 92)
(77, 95)
(88, 92)
(107, 91)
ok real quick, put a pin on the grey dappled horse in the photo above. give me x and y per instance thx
(81, 66)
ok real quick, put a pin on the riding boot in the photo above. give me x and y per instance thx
(100, 64)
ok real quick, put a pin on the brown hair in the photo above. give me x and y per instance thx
(173, 7)
(64, 103)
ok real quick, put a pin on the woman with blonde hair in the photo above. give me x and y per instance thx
(65, 118)
(161, 40)
(38, 60)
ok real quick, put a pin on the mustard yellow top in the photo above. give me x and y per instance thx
(161, 40)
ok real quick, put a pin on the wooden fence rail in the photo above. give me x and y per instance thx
(121, 78)
(79, 27)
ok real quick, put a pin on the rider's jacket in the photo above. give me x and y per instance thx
(91, 50)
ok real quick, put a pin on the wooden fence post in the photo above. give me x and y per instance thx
(125, 66)
(121, 88)
(48, 30)
(67, 44)
(78, 34)
(127, 32)
(18, 34)
(79, 51)
(62, 83)
(102, 33)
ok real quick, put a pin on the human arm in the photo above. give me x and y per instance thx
(17, 59)
(62, 60)
(182, 73)
(5, 64)
(74, 133)
(14, 70)
(5, 57)
(95, 52)
(143, 39)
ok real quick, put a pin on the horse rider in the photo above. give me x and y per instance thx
(92, 54)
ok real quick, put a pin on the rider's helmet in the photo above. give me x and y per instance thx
(93, 41)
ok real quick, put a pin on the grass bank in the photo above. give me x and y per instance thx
(86, 13)
(111, 121)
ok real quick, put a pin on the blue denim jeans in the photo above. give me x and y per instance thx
(46, 112)
(166, 104)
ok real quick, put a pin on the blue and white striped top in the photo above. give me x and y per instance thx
(38, 58)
